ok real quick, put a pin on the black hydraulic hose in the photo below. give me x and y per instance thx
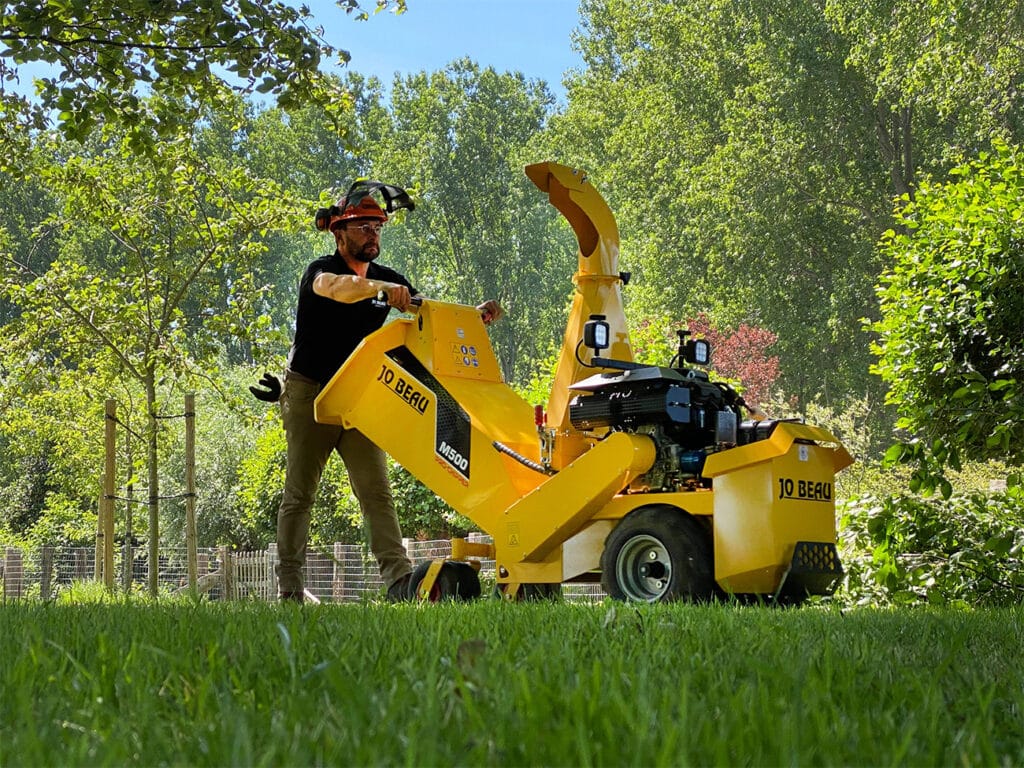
(523, 460)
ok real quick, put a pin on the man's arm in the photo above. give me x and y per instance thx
(349, 289)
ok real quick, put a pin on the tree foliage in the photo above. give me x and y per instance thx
(952, 314)
(480, 229)
(957, 60)
(752, 149)
(150, 282)
(906, 550)
(107, 55)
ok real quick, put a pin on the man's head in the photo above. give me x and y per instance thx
(356, 227)
(356, 220)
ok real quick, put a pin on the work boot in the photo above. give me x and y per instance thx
(398, 592)
(292, 597)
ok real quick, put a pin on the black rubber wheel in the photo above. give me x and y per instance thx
(455, 581)
(469, 580)
(658, 554)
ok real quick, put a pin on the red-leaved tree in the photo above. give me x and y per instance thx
(741, 355)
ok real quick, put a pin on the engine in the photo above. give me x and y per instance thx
(681, 410)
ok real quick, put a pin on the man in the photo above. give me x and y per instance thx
(338, 306)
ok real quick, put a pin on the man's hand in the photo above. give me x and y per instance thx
(272, 393)
(490, 311)
(399, 297)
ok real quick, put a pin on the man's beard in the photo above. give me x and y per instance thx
(359, 252)
(362, 255)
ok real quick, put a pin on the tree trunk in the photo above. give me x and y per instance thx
(893, 128)
(154, 484)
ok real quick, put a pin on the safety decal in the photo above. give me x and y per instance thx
(452, 427)
(465, 355)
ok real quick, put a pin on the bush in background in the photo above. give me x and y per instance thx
(968, 549)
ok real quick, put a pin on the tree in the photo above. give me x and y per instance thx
(751, 151)
(952, 316)
(152, 277)
(305, 155)
(480, 229)
(105, 54)
(955, 60)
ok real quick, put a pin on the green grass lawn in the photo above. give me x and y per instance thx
(500, 684)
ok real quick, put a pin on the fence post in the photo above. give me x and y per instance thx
(272, 557)
(190, 490)
(80, 569)
(267, 591)
(128, 552)
(46, 573)
(97, 561)
(13, 573)
(227, 566)
(338, 577)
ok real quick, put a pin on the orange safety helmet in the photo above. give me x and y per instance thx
(362, 205)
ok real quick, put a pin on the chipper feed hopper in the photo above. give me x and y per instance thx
(648, 478)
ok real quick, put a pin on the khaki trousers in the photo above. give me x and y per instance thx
(309, 446)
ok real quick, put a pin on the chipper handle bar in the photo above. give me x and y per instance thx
(417, 301)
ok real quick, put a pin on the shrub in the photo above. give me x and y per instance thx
(904, 549)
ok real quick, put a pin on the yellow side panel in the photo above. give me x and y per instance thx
(439, 425)
(762, 510)
(451, 340)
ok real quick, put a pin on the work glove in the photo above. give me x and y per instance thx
(272, 391)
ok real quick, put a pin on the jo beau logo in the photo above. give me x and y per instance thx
(419, 388)
(804, 490)
(406, 390)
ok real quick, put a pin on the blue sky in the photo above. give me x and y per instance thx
(528, 36)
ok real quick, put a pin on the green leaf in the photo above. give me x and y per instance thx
(894, 454)
(1000, 545)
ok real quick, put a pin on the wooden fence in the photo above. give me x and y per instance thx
(335, 573)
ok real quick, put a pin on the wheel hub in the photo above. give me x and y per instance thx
(644, 568)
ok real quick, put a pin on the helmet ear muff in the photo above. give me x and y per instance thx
(324, 215)
(322, 219)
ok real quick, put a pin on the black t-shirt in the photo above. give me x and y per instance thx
(328, 331)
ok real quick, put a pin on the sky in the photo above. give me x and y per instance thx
(528, 36)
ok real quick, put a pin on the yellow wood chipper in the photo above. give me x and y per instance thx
(654, 480)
